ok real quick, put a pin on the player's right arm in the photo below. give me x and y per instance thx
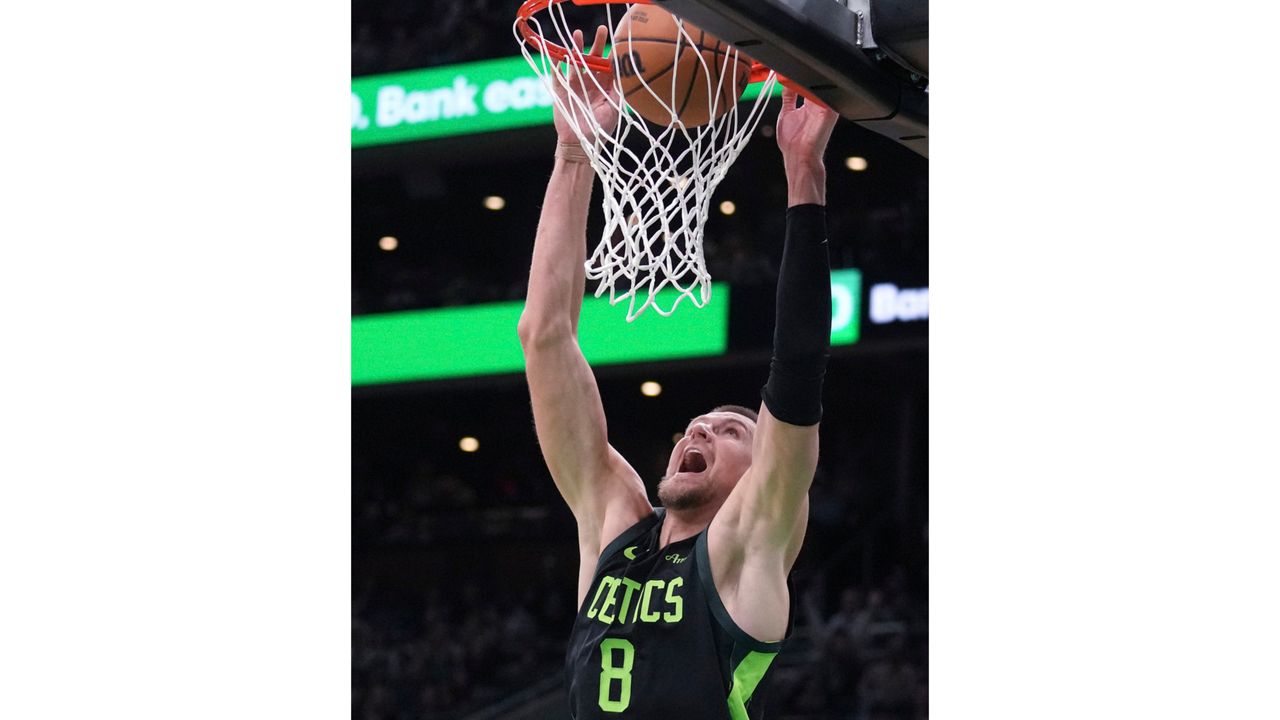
(602, 490)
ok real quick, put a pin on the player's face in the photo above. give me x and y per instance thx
(707, 462)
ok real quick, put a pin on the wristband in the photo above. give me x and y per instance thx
(571, 152)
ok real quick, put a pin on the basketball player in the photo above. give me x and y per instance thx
(681, 608)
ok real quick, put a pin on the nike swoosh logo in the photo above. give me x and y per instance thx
(630, 552)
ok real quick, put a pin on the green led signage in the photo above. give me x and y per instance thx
(454, 100)
(846, 306)
(481, 339)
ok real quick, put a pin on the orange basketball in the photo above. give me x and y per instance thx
(648, 44)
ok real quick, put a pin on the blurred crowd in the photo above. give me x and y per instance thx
(863, 657)
(440, 505)
(441, 655)
(391, 35)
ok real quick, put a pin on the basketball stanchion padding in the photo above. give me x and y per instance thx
(681, 125)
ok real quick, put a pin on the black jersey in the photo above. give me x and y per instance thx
(653, 639)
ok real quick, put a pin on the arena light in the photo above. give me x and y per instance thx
(855, 163)
(469, 444)
(495, 202)
(388, 243)
(727, 207)
(649, 388)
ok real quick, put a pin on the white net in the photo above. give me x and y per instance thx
(657, 179)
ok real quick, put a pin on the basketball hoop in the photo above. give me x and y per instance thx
(658, 179)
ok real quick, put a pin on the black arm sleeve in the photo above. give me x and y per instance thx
(802, 333)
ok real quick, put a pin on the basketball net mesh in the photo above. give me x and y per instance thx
(658, 181)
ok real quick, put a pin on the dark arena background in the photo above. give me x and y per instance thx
(465, 557)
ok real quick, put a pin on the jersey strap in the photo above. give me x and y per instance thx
(630, 535)
(750, 658)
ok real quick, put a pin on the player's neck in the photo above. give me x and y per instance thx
(679, 525)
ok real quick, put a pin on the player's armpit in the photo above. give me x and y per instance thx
(752, 584)
(756, 536)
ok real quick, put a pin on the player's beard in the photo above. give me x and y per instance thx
(684, 495)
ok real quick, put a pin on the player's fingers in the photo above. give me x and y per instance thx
(597, 45)
(788, 98)
(576, 65)
(825, 116)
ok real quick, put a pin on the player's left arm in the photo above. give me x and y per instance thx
(756, 537)
(785, 448)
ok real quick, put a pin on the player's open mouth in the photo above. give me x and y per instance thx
(693, 461)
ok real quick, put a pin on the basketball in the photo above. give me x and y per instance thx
(650, 49)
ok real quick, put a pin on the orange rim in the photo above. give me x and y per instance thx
(558, 52)
(601, 64)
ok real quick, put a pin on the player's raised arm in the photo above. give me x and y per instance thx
(767, 519)
(567, 410)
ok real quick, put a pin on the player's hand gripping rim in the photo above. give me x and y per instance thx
(582, 90)
(803, 130)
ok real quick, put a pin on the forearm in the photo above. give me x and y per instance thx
(802, 332)
(556, 274)
(567, 412)
(785, 446)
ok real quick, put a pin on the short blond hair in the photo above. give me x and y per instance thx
(740, 410)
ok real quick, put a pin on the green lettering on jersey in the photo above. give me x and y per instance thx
(610, 600)
(673, 616)
(643, 605)
(632, 586)
(610, 672)
(608, 608)
(591, 613)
